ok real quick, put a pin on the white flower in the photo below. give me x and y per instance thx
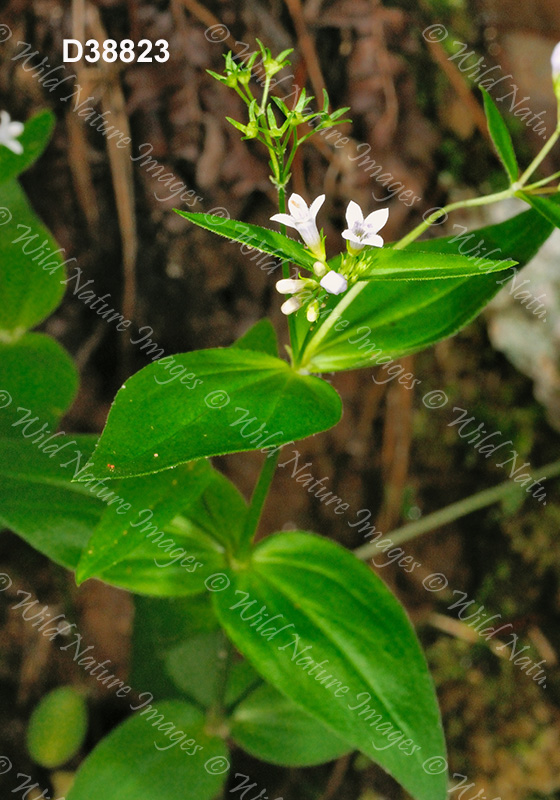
(289, 285)
(555, 62)
(362, 231)
(9, 131)
(291, 305)
(302, 218)
(334, 283)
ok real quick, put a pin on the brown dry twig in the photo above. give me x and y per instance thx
(307, 47)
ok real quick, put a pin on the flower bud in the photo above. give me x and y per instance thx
(313, 312)
(291, 305)
(334, 283)
(289, 285)
(319, 269)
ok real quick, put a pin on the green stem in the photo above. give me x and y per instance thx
(265, 93)
(475, 201)
(286, 274)
(454, 511)
(260, 493)
(540, 157)
(293, 152)
(541, 182)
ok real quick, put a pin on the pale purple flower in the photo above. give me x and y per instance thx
(303, 218)
(9, 131)
(360, 231)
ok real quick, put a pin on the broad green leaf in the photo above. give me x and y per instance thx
(219, 512)
(244, 401)
(500, 136)
(41, 379)
(187, 557)
(261, 337)
(544, 206)
(39, 502)
(132, 762)
(333, 639)
(161, 625)
(262, 239)
(406, 265)
(57, 727)
(34, 139)
(160, 498)
(194, 666)
(30, 291)
(271, 727)
(375, 322)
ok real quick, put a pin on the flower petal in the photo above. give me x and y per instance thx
(555, 61)
(284, 219)
(353, 214)
(298, 207)
(351, 236)
(376, 220)
(373, 240)
(15, 147)
(309, 233)
(316, 205)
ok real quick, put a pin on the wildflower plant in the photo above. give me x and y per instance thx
(291, 648)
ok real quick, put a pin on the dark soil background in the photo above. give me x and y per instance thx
(390, 453)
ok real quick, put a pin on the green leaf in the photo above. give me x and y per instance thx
(245, 401)
(375, 322)
(194, 665)
(219, 512)
(164, 495)
(544, 206)
(334, 640)
(29, 291)
(500, 136)
(41, 379)
(260, 337)
(192, 557)
(405, 265)
(271, 727)
(161, 624)
(57, 517)
(57, 727)
(37, 500)
(132, 764)
(262, 239)
(34, 139)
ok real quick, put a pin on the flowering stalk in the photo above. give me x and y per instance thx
(516, 186)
